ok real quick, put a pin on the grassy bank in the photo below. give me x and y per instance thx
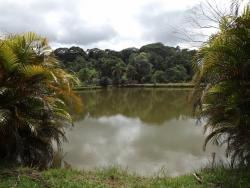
(168, 85)
(114, 177)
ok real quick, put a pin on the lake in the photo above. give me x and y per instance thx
(146, 131)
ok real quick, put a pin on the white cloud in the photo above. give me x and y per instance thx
(131, 143)
(113, 24)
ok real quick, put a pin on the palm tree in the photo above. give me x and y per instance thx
(35, 100)
(117, 71)
(222, 93)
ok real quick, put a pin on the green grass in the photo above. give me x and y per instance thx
(115, 177)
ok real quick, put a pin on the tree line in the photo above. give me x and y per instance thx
(152, 63)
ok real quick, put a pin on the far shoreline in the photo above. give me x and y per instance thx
(167, 85)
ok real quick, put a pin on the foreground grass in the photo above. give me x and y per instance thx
(114, 177)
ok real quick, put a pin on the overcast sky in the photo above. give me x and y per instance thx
(114, 24)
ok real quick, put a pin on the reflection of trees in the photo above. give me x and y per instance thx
(150, 105)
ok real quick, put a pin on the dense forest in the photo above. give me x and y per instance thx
(152, 63)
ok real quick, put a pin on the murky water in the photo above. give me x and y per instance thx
(147, 131)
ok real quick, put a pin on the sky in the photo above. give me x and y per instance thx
(104, 24)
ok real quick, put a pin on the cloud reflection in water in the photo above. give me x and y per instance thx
(141, 147)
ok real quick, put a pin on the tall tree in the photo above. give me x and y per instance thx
(118, 71)
(143, 67)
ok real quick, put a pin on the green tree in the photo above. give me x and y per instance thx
(70, 54)
(222, 91)
(125, 53)
(105, 65)
(87, 75)
(131, 73)
(118, 71)
(159, 77)
(143, 67)
(176, 74)
(35, 95)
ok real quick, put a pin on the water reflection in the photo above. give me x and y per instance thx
(150, 105)
(122, 131)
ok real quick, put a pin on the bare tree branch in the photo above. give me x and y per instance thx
(206, 18)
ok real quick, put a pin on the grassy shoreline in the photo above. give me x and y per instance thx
(168, 85)
(115, 177)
